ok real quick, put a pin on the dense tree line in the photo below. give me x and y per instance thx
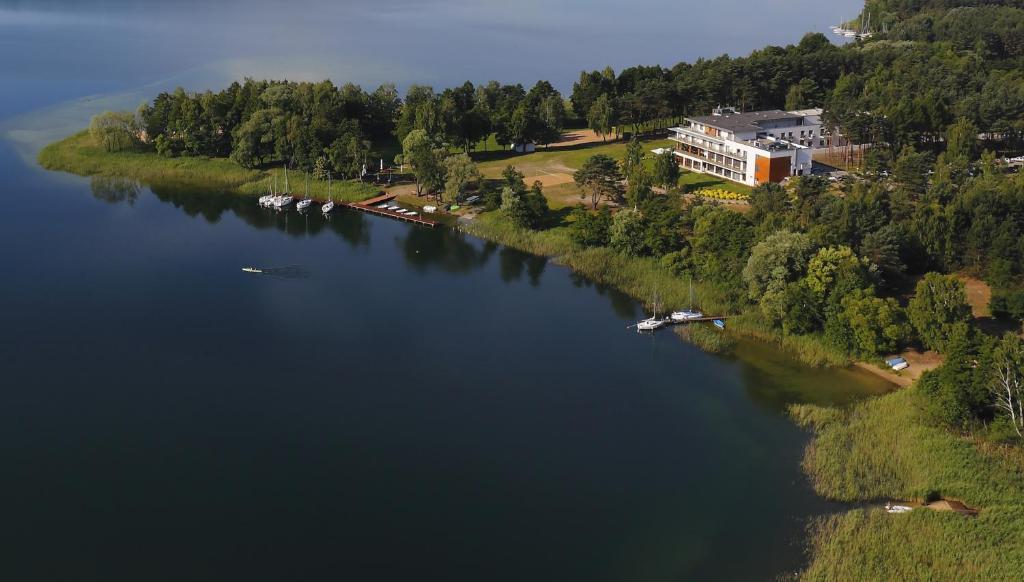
(301, 124)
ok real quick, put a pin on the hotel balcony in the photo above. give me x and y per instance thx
(725, 161)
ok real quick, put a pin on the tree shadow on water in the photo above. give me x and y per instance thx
(114, 190)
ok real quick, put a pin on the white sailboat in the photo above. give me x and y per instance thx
(688, 314)
(651, 323)
(285, 198)
(327, 208)
(268, 199)
(305, 202)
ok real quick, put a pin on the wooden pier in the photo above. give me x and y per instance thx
(697, 319)
(370, 206)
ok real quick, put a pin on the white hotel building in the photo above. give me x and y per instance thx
(752, 148)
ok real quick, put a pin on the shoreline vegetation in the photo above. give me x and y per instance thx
(832, 272)
(79, 154)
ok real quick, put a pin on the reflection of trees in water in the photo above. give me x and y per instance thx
(446, 249)
(115, 190)
(622, 304)
(211, 204)
(514, 263)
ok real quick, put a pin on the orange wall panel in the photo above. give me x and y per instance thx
(771, 170)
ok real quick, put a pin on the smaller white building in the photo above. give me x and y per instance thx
(751, 148)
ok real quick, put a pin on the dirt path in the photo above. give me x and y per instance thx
(919, 364)
(576, 137)
(979, 294)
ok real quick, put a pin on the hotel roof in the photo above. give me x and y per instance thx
(743, 122)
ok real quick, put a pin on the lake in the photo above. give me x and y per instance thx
(397, 403)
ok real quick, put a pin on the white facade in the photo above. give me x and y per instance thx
(750, 148)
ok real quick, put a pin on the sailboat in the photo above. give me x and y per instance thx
(327, 208)
(688, 314)
(285, 198)
(268, 199)
(305, 202)
(651, 323)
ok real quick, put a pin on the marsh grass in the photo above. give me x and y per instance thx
(811, 349)
(707, 337)
(886, 449)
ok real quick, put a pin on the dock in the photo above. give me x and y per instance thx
(370, 206)
(697, 319)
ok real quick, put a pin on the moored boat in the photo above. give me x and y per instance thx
(329, 206)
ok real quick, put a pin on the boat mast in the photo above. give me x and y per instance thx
(329, 199)
(286, 190)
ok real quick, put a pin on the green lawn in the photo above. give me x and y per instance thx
(551, 159)
(692, 181)
(78, 154)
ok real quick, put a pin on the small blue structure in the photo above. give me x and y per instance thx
(897, 363)
(719, 323)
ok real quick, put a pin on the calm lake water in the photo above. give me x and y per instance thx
(405, 404)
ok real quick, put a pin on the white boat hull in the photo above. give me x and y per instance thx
(686, 315)
(650, 324)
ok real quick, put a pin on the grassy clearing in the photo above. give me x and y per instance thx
(78, 154)
(886, 448)
(692, 181)
(555, 159)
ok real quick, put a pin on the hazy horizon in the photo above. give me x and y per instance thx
(113, 46)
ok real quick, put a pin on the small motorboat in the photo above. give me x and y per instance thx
(719, 323)
(252, 270)
(383, 206)
(898, 508)
(411, 213)
(430, 209)
(394, 208)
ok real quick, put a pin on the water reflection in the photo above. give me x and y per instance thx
(201, 201)
(515, 263)
(445, 249)
(115, 190)
(623, 305)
